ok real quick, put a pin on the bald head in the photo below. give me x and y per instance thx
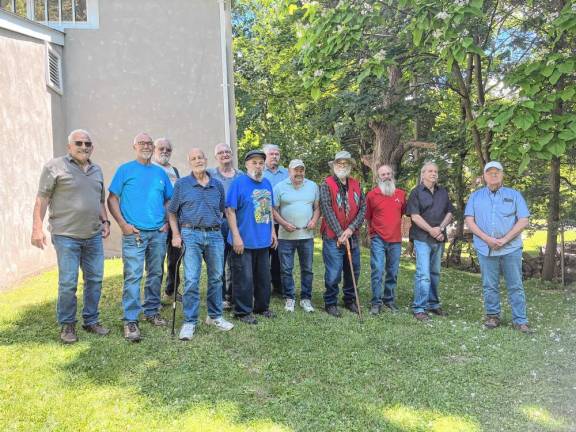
(197, 160)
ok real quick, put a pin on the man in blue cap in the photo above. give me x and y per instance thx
(497, 215)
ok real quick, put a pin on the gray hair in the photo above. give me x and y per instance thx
(220, 144)
(76, 131)
(159, 140)
(426, 165)
(268, 147)
(387, 165)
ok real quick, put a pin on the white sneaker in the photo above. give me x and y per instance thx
(306, 305)
(289, 306)
(187, 331)
(220, 323)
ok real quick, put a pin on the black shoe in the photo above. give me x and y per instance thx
(438, 312)
(375, 309)
(333, 310)
(267, 314)
(247, 319)
(351, 307)
(393, 308)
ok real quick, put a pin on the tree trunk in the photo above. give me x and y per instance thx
(553, 221)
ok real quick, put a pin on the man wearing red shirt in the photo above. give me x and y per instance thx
(385, 205)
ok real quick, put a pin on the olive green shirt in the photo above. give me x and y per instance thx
(75, 197)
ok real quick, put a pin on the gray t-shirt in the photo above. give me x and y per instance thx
(75, 197)
(296, 206)
(226, 181)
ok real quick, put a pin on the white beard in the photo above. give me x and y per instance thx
(342, 173)
(163, 160)
(255, 175)
(387, 187)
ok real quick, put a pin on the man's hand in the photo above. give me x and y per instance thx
(105, 230)
(165, 227)
(238, 244)
(289, 227)
(500, 243)
(435, 232)
(128, 229)
(492, 243)
(176, 241)
(38, 238)
(274, 244)
(311, 225)
(344, 237)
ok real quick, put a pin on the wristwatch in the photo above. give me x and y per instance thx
(106, 222)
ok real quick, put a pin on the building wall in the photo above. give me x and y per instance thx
(151, 67)
(27, 129)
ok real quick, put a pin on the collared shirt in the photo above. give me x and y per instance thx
(384, 214)
(296, 206)
(171, 172)
(198, 205)
(76, 197)
(330, 217)
(226, 181)
(276, 177)
(496, 213)
(433, 208)
(142, 190)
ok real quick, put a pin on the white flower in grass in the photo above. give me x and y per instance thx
(437, 34)
(491, 124)
(318, 72)
(380, 55)
(461, 3)
(442, 15)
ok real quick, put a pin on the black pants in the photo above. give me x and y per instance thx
(275, 269)
(250, 281)
(226, 273)
(172, 255)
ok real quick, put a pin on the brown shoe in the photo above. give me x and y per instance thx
(421, 316)
(156, 320)
(96, 328)
(523, 328)
(491, 321)
(132, 332)
(437, 311)
(68, 334)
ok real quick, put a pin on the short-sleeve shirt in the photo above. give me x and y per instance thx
(142, 190)
(171, 172)
(274, 178)
(296, 205)
(226, 181)
(197, 205)
(252, 201)
(75, 195)
(384, 214)
(496, 213)
(433, 208)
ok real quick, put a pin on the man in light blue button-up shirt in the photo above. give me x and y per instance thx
(497, 215)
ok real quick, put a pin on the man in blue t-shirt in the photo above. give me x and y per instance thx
(138, 194)
(249, 213)
(497, 215)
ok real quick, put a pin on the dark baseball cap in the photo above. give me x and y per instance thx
(254, 153)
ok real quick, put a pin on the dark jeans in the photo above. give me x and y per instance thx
(384, 256)
(172, 255)
(336, 261)
(286, 250)
(226, 272)
(250, 281)
(275, 269)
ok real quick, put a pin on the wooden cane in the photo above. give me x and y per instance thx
(353, 278)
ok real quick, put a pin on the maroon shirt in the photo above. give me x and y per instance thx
(384, 214)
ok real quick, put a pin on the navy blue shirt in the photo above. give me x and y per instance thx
(198, 205)
(433, 208)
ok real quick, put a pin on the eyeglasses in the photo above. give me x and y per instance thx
(165, 149)
(145, 143)
(87, 144)
(221, 152)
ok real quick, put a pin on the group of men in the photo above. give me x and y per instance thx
(248, 226)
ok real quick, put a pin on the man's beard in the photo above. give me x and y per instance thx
(163, 160)
(342, 173)
(255, 175)
(387, 187)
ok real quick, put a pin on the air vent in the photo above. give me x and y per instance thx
(54, 70)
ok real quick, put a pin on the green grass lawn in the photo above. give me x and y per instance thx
(296, 372)
(533, 241)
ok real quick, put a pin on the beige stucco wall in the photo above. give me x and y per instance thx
(27, 128)
(151, 66)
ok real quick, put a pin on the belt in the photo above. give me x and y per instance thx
(201, 228)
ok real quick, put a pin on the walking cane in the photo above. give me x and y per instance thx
(178, 261)
(353, 278)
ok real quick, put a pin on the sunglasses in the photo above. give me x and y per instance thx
(87, 144)
(165, 149)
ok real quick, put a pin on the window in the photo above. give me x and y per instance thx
(14, 6)
(53, 70)
(59, 14)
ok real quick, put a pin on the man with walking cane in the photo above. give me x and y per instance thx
(343, 207)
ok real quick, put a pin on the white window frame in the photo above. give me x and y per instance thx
(92, 16)
(52, 52)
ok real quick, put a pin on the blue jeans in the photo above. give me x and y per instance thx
(210, 246)
(286, 251)
(250, 281)
(427, 277)
(87, 254)
(336, 261)
(147, 247)
(511, 267)
(384, 256)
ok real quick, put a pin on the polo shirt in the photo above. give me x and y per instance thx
(226, 181)
(296, 205)
(276, 177)
(200, 206)
(252, 201)
(496, 213)
(384, 214)
(433, 207)
(142, 190)
(76, 197)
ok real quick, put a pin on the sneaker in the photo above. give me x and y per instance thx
(306, 305)
(97, 328)
(68, 334)
(492, 321)
(375, 309)
(187, 331)
(333, 310)
(247, 319)
(392, 307)
(351, 307)
(421, 316)
(523, 328)
(220, 323)
(156, 320)
(226, 305)
(438, 312)
(132, 332)
(289, 305)
(267, 314)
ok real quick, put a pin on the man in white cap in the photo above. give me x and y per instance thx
(297, 210)
(497, 215)
(343, 207)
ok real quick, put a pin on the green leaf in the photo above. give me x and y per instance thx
(476, 4)
(523, 121)
(292, 9)
(547, 71)
(363, 75)
(467, 41)
(555, 77)
(567, 93)
(566, 67)
(504, 117)
(546, 124)
(417, 36)
(544, 140)
(528, 104)
(315, 93)
(557, 148)
(567, 135)
(524, 164)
